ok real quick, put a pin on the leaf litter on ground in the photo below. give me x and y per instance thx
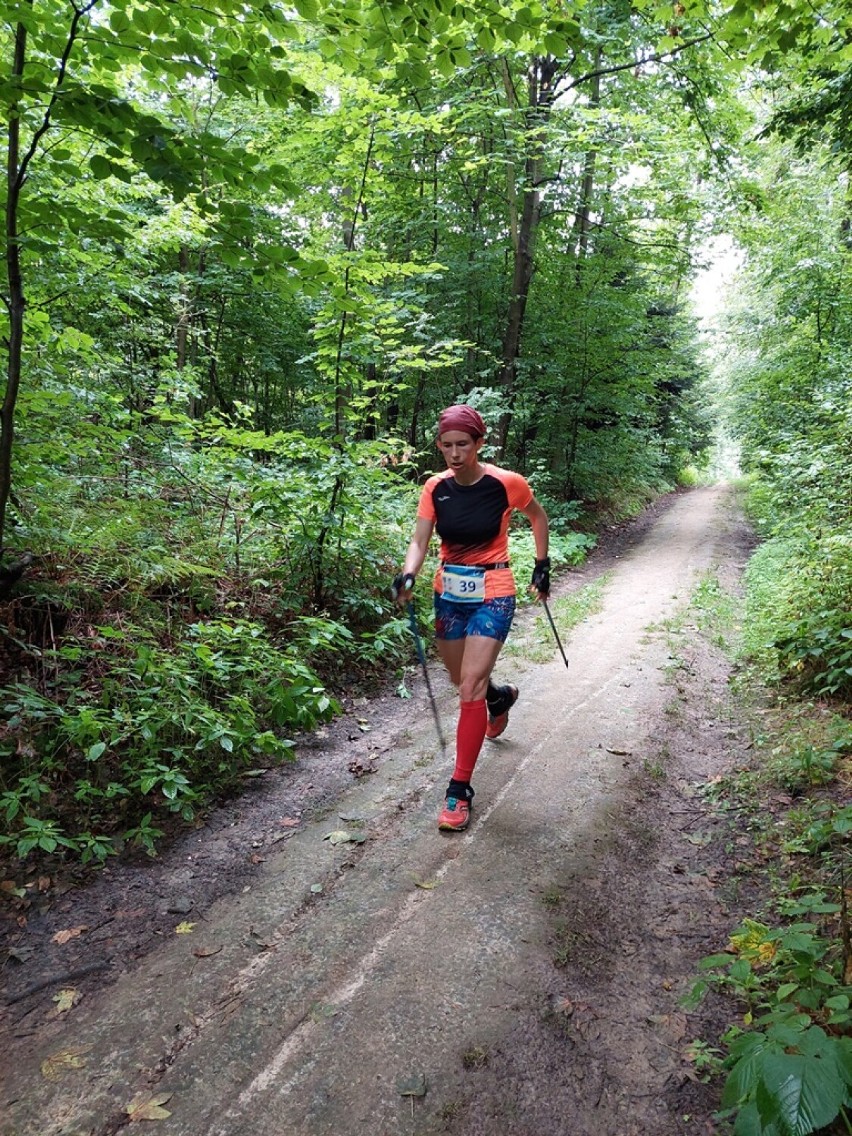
(55, 1067)
(344, 836)
(149, 1106)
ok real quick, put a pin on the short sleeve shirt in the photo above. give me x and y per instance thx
(473, 521)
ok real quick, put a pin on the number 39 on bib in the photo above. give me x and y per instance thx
(463, 584)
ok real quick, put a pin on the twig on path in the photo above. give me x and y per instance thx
(67, 976)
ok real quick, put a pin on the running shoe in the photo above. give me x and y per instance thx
(497, 723)
(455, 815)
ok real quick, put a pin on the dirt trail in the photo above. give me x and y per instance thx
(526, 973)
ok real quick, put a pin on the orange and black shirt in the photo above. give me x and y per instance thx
(473, 521)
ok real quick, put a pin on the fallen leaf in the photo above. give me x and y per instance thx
(321, 1012)
(184, 928)
(149, 1106)
(316, 888)
(290, 822)
(619, 752)
(339, 836)
(20, 954)
(57, 1065)
(675, 1024)
(71, 933)
(65, 999)
(344, 836)
(43, 883)
(255, 859)
(427, 885)
(206, 952)
(257, 940)
(413, 1086)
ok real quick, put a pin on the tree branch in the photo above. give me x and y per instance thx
(657, 57)
(79, 14)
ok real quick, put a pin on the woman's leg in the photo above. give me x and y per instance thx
(469, 662)
(469, 645)
(480, 655)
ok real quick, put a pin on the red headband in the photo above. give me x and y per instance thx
(461, 417)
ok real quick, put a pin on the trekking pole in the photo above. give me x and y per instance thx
(421, 655)
(555, 632)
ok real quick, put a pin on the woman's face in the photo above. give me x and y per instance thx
(460, 450)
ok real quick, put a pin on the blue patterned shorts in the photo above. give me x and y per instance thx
(491, 618)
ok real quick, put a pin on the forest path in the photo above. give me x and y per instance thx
(519, 979)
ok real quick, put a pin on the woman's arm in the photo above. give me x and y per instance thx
(414, 557)
(418, 547)
(541, 532)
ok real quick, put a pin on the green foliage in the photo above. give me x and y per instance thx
(135, 722)
(791, 1080)
(817, 649)
(790, 398)
(791, 1073)
(799, 624)
(788, 1057)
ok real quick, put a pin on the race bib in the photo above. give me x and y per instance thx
(463, 584)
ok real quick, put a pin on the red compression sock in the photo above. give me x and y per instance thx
(470, 734)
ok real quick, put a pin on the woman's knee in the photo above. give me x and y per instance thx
(472, 687)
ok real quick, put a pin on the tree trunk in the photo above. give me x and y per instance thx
(583, 215)
(16, 300)
(16, 173)
(183, 316)
(542, 78)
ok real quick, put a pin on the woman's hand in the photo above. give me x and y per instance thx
(401, 587)
(541, 578)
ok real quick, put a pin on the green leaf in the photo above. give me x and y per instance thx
(808, 1090)
(95, 751)
(785, 990)
(307, 9)
(102, 168)
(749, 1123)
(745, 1075)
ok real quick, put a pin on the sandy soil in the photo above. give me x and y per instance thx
(521, 979)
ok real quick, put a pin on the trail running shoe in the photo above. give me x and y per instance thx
(497, 723)
(455, 815)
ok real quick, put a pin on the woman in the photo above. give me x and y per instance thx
(470, 505)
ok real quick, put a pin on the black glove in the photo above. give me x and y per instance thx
(402, 582)
(541, 577)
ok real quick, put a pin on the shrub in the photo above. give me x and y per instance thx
(134, 728)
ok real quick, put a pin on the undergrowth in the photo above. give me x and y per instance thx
(786, 1057)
